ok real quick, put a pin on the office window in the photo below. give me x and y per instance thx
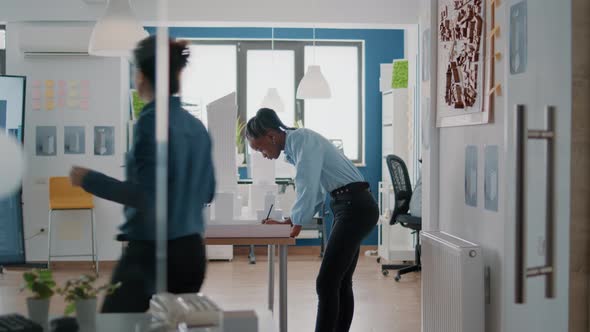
(250, 68)
(210, 74)
(338, 117)
(276, 69)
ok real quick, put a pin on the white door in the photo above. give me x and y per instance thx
(538, 67)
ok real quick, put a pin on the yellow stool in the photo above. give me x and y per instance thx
(65, 197)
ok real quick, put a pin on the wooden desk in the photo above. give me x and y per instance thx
(270, 235)
(131, 322)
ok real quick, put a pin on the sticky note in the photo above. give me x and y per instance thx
(73, 103)
(85, 83)
(36, 104)
(61, 92)
(61, 84)
(74, 83)
(400, 74)
(49, 104)
(49, 93)
(61, 102)
(49, 83)
(84, 104)
(84, 93)
(36, 84)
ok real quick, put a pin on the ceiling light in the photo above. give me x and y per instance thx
(272, 99)
(313, 85)
(117, 32)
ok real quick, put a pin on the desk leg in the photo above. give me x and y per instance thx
(271, 277)
(283, 288)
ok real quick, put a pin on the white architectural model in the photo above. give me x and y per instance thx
(221, 119)
(263, 190)
(227, 206)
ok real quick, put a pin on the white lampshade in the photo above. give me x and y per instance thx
(117, 32)
(273, 101)
(313, 85)
(12, 165)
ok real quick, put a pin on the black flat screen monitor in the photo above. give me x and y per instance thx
(12, 120)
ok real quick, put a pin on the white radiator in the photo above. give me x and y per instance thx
(452, 284)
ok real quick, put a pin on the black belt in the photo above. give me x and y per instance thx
(349, 189)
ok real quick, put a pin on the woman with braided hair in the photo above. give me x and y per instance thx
(321, 168)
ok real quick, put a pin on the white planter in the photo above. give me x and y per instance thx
(38, 310)
(86, 311)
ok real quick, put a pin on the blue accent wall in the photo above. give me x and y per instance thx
(381, 46)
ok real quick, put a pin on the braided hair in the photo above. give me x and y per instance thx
(264, 120)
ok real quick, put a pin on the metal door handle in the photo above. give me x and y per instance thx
(522, 272)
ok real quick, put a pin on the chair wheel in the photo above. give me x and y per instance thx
(397, 278)
(385, 272)
(378, 259)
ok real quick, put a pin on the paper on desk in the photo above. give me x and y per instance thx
(248, 231)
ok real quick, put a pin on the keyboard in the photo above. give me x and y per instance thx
(16, 322)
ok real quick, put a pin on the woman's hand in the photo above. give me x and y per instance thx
(276, 222)
(77, 175)
(295, 230)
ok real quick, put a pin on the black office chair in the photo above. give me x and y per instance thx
(402, 189)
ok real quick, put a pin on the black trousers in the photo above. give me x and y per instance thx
(136, 270)
(355, 216)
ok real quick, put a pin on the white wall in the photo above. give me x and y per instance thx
(108, 97)
(429, 132)
(191, 11)
(454, 216)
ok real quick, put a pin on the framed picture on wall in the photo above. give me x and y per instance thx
(462, 97)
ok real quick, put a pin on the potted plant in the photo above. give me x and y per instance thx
(240, 145)
(41, 284)
(80, 295)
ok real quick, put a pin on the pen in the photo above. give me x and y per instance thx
(269, 210)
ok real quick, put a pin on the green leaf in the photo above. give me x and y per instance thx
(138, 104)
(29, 277)
(41, 291)
(40, 283)
(70, 308)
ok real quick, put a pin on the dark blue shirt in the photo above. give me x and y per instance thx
(191, 178)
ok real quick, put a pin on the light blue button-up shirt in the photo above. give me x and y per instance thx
(320, 168)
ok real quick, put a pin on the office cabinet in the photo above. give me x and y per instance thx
(395, 242)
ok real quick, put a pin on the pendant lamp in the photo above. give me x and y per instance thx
(272, 99)
(313, 85)
(117, 32)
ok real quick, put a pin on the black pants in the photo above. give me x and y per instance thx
(355, 216)
(136, 270)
